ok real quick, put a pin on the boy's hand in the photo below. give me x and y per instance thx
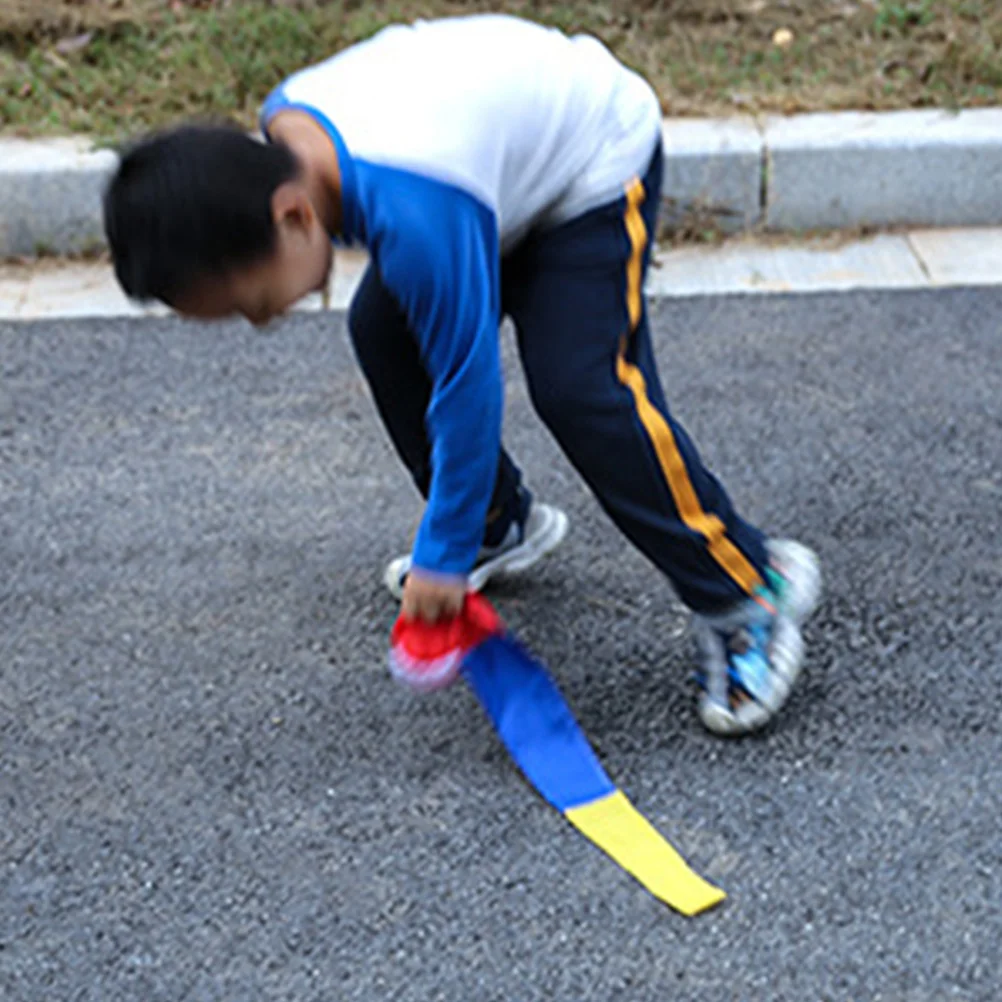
(431, 600)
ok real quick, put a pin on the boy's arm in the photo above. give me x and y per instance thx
(437, 251)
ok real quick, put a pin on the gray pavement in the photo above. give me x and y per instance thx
(211, 789)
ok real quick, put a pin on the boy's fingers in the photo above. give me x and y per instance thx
(430, 601)
(426, 609)
(417, 603)
(414, 606)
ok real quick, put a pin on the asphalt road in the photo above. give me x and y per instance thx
(210, 788)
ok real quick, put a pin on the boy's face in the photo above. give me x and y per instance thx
(299, 264)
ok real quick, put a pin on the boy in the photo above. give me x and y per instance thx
(491, 167)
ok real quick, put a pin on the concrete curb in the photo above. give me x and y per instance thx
(50, 196)
(912, 168)
(830, 171)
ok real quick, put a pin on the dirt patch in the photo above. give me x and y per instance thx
(106, 66)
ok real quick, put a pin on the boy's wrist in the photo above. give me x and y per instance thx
(444, 578)
(444, 559)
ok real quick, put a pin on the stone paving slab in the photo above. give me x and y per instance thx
(919, 259)
(960, 257)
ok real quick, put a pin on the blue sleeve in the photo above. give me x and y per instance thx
(437, 250)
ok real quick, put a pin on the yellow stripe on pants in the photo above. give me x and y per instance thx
(733, 561)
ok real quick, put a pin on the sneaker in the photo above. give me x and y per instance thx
(527, 542)
(752, 656)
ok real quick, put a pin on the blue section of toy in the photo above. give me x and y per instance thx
(534, 722)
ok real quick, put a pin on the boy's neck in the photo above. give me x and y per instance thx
(317, 156)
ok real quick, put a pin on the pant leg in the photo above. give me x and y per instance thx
(391, 363)
(575, 295)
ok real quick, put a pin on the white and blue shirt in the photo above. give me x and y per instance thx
(454, 139)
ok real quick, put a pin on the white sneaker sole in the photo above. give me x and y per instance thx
(800, 566)
(547, 528)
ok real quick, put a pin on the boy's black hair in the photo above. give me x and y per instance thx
(192, 203)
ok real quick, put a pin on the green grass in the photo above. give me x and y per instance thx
(148, 62)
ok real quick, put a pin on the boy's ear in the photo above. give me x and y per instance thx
(290, 204)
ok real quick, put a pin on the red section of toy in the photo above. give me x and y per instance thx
(429, 656)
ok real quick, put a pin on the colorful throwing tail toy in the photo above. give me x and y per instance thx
(540, 732)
